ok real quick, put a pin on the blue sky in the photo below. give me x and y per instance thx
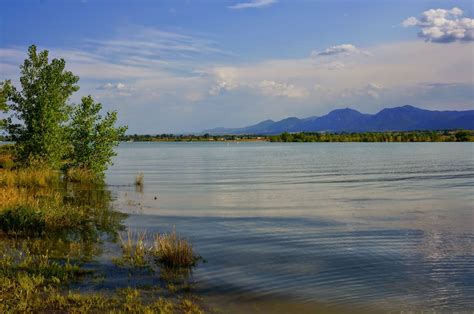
(178, 66)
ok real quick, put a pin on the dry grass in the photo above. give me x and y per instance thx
(134, 249)
(80, 175)
(139, 179)
(173, 251)
(35, 195)
(169, 250)
(6, 161)
(28, 177)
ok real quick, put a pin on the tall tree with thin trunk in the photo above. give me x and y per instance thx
(40, 107)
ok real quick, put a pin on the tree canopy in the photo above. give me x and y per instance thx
(93, 137)
(46, 128)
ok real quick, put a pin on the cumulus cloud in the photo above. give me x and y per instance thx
(226, 78)
(231, 79)
(272, 88)
(443, 26)
(373, 90)
(253, 4)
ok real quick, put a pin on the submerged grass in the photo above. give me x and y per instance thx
(49, 226)
(139, 180)
(134, 250)
(81, 175)
(173, 251)
(29, 177)
(167, 249)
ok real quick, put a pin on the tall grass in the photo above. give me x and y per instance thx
(33, 201)
(168, 249)
(134, 248)
(81, 175)
(140, 180)
(173, 251)
(29, 177)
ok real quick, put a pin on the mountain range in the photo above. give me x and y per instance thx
(405, 118)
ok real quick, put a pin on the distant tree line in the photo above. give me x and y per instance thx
(405, 136)
(188, 138)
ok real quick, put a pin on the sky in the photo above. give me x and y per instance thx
(189, 65)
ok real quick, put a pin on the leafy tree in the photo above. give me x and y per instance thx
(40, 107)
(3, 101)
(93, 137)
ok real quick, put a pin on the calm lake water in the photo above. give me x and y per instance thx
(365, 226)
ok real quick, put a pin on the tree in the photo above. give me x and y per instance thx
(40, 107)
(3, 102)
(462, 136)
(93, 137)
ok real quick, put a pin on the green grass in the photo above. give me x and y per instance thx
(51, 225)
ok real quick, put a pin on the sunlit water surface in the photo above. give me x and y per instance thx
(365, 226)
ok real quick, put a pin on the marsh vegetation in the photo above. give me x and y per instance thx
(56, 217)
(52, 230)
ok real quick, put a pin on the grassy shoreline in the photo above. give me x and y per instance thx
(53, 229)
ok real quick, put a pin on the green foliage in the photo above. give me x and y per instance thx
(4, 90)
(462, 136)
(93, 137)
(407, 136)
(22, 219)
(41, 107)
(401, 136)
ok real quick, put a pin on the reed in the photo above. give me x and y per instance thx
(81, 175)
(139, 179)
(29, 177)
(134, 250)
(173, 251)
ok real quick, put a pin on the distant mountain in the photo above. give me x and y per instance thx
(405, 118)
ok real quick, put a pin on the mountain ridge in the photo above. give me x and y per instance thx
(402, 118)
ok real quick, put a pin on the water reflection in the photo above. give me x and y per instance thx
(367, 226)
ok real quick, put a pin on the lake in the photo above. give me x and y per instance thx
(301, 226)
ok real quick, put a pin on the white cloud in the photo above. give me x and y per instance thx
(111, 86)
(171, 93)
(443, 26)
(272, 88)
(225, 80)
(338, 49)
(384, 78)
(252, 4)
(119, 88)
